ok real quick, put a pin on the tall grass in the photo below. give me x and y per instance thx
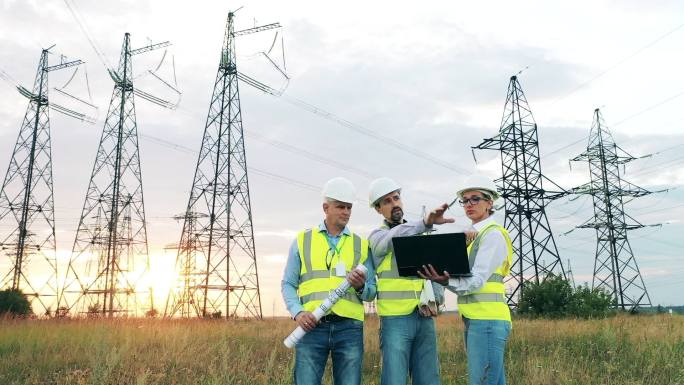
(619, 350)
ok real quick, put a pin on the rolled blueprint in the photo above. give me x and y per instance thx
(323, 308)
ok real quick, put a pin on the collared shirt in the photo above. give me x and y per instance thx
(381, 243)
(293, 267)
(490, 255)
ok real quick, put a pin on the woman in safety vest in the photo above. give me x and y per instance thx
(482, 296)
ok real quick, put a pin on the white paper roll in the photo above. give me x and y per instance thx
(323, 308)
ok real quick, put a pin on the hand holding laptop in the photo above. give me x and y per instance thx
(470, 236)
(431, 274)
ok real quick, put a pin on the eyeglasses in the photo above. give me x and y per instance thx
(473, 201)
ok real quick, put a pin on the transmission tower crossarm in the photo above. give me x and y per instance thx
(258, 85)
(599, 225)
(582, 189)
(150, 47)
(256, 29)
(593, 153)
(630, 189)
(551, 195)
(72, 113)
(64, 65)
(29, 95)
(488, 144)
(583, 157)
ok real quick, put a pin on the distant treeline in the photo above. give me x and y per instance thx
(662, 309)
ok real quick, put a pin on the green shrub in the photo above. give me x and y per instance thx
(590, 303)
(548, 298)
(554, 297)
(14, 303)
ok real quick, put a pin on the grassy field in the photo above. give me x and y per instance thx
(621, 350)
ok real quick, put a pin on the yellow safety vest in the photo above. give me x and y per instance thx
(489, 302)
(317, 281)
(396, 295)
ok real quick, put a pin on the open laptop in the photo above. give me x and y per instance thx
(445, 252)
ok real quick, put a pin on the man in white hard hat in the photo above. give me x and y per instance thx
(319, 260)
(407, 333)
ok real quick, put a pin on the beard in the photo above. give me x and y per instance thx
(397, 215)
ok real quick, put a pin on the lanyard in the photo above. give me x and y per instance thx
(335, 250)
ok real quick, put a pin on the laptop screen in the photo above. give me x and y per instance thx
(446, 252)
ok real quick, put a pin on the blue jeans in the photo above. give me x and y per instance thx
(485, 345)
(409, 348)
(343, 340)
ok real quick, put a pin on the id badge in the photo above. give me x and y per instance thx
(341, 269)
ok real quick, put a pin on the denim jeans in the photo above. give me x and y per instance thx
(343, 340)
(485, 345)
(409, 348)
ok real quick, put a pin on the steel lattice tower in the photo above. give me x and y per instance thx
(110, 250)
(525, 199)
(27, 211)
(216, 254)
(615, 268)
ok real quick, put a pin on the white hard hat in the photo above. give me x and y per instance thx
(478, 182)
(340, 189)
(381, 187)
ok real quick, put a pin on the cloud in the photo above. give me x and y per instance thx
(432, 78)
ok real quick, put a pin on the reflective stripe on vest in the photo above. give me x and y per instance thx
(495, 278)
(488, 302)
(316, 281)
(323, 295)
(475, 298)
(396, 295)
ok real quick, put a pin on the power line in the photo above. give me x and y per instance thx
(566, 146)
(91, 41)
(664, 209)
(584, 138)
(669, 99)
(307, 154)
(572, 214)
(662, 164)
(372, 134)
(187, 150)
(282, 146)
(350, 125)
(617, 64)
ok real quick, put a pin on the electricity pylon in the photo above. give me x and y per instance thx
(216, 253)
(110, 251)
(525, 197)
(615, 268)
(27, 210)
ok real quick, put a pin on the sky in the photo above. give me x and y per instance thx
(432, 77)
